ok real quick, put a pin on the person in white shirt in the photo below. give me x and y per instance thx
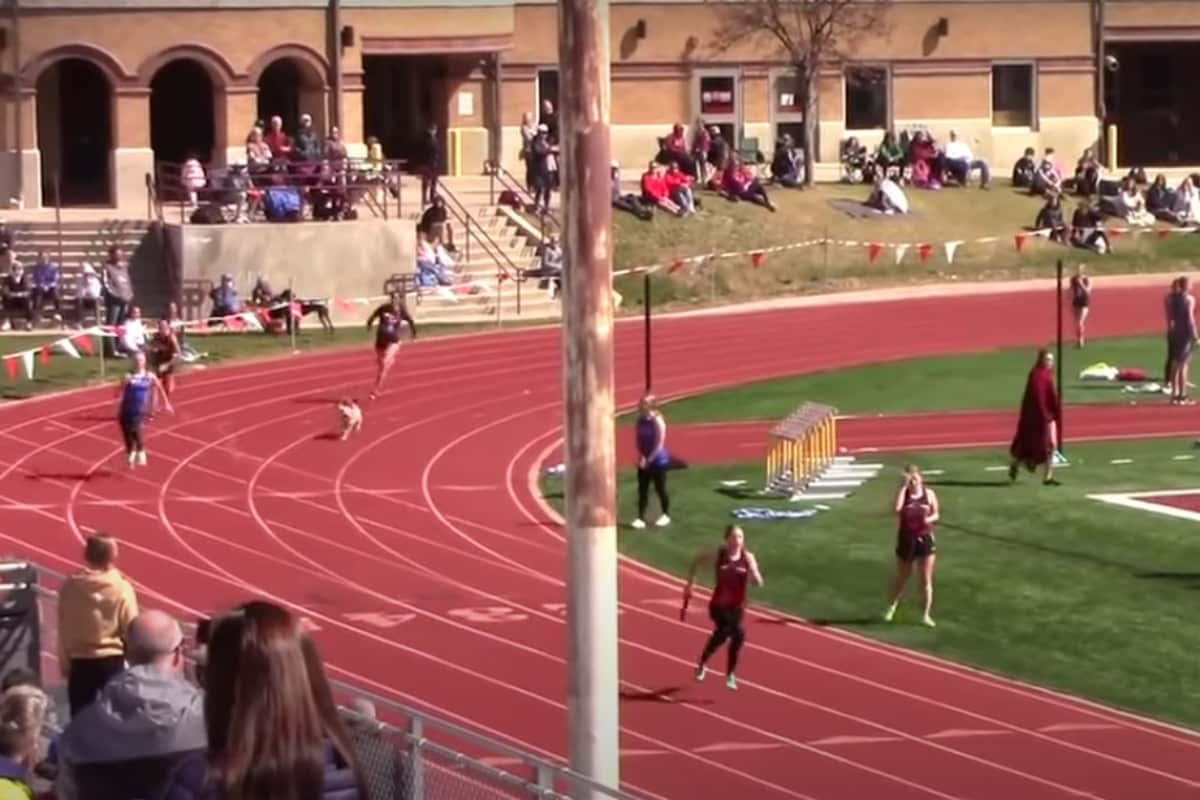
(962, 162)
(133, 332)
(1132, 205)
(434, 265)
(87, 292)
(888, 197)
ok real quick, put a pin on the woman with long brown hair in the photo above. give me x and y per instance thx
(273, 728)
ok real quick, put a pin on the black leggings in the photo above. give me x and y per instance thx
(657, 476)
(87, 676)
(728, 622)
(131, 432)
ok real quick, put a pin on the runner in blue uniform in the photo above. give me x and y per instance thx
(387, 336)
(138, 393)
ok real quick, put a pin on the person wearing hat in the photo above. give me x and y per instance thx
(88, 291)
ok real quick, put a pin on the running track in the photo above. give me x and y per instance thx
(432, 573)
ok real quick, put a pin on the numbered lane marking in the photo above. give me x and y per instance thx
(487, 614)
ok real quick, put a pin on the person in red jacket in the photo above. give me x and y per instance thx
(1036, 439)
(655, 190)
(679, 184)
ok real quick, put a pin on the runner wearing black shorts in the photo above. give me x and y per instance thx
(1081, 300)
(391, 316)
(917, 510)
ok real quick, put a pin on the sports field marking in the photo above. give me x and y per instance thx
(1134, 500)
(1121, 461)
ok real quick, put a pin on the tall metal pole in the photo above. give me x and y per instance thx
(336, 81)
(646, 309)
(592, 683)
(1058, 295)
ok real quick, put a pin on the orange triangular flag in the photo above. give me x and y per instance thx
(873, 251)
(44, 354)
(756, 258)
(1114, 232)
(1020, 240)
(1163, 232)
(675, 267)
(85, 343)
(923, 251)
(345, 305)
(10, 366)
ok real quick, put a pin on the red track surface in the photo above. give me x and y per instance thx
(717, 442)
(383, 542)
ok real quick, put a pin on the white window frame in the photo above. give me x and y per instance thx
(889, 114)
(736, 119)
(1034, 116)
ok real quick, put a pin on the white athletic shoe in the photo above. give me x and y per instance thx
(141, 458)
(637, 523)
(701, 671)
(131, 458)
(663, 521)
(928, 622)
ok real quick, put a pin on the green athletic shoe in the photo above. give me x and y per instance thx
(731, 683)
(889, 614)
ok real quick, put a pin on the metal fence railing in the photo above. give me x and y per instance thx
(405, 753)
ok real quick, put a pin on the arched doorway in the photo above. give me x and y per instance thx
(182, 112)
(289, 87)
(74, 133)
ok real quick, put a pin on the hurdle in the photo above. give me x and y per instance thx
(801, 447)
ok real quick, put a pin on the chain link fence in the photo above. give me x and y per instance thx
(405, 753)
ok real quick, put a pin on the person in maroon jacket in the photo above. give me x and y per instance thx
(1036, 439)
(735, 567)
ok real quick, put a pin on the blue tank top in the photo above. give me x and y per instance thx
(1181, 320)
(136, 395)
(647, 437)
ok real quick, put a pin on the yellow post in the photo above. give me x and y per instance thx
(1111, 140)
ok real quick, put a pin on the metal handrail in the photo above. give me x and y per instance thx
(496, 172)
(546, 773)
(507, 268)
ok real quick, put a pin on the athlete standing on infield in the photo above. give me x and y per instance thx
(735, 566)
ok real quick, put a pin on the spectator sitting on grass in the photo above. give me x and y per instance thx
(961, 162)
(718, 150)
(679, 184)
(95, 607)
(1187, 201)
(1131, 205)
(225, 300)
(890, 155)
(1048, 177)
(674, 150)
(1160, 200)
(856, 166)
(740, 183)
(272, 727)
(1086, 231)
(16, 293)
(1050, 218)
(145, 721)
(434, 265)
(1088, 173)
(22, 714)
(1024, 170)
(787, 165)
(627, 202)
(887, 196)
(928, 165)
(656, 192)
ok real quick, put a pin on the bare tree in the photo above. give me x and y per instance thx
(805, 34)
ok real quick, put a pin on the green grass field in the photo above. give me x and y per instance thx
(1035, 582)
(987, 379)
(939, 216)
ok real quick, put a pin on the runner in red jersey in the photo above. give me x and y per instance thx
(734, 566)
(917, 510)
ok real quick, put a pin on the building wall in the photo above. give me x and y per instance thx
(939, 81)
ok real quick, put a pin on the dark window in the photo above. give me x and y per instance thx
(789, 94)
(1012, 95)
(718, 95)
(866, 98)
(547, 87)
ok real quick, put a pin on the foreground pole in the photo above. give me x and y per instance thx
(649, 349)
(1058, 356)
(592, 697)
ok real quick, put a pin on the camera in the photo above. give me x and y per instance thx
(1111, 63)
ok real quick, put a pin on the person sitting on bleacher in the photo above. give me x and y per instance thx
(87, 293)
(225, 300)
(434, 265)
(43, 280)
(16, 294)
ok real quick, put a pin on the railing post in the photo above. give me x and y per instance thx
(544, 778)
(417, 760)
(491, 184)
(499, 298)
(467, 224)
(519, 278)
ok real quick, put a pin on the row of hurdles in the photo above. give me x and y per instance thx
(803, 461)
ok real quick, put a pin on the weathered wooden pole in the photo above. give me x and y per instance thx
(592, 689)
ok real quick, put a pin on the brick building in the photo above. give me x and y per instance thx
(96, 90)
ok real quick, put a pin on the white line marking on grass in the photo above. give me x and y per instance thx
(1132, 501)
(1121, 461)
(994, 469)
(1182, 458)
(935, 472)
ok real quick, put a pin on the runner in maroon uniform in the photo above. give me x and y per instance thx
(917, 510)
(735, 566)
(390, 316)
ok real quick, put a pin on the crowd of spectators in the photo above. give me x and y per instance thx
(244, 711)
(26, 294)
(914, 158)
